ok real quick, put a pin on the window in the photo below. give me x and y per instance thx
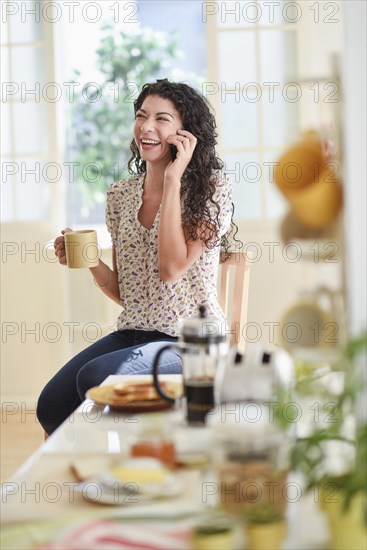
(27, 141)
(241, 54)
(254, 51)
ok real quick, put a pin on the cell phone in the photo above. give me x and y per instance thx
(173, 151)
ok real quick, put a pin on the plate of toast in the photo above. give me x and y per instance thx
(138, 396)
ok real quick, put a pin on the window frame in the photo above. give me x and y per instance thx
(51, 126)
(265, 222)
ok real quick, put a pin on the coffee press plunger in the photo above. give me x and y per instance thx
(203, 344)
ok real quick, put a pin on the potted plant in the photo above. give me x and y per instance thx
(265, 527)
(342, 483)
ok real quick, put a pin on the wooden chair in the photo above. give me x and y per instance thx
(235, 309)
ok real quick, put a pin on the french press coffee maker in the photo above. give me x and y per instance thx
(203, 344)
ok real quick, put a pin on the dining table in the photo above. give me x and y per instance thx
(55, 500)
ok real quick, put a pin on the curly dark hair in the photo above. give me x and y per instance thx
(198, 184)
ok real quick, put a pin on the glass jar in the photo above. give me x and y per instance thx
(251, 461)
(152, 438)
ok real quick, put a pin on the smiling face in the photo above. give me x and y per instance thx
(154, 122)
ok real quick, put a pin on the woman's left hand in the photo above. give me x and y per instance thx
(185, 142)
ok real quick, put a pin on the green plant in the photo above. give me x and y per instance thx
(355, 481)
(310, 453)
(264, 513)
(102, 117)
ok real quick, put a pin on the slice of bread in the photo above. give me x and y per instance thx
(138, 391)
(126, 388)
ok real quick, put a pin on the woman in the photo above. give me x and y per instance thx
(168, 222)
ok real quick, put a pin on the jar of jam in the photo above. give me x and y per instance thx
(153, 439)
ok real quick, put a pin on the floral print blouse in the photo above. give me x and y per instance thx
(149, 303)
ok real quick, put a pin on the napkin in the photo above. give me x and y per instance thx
(107, 534)
(158, 526)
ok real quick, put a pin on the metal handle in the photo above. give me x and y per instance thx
(155, 373)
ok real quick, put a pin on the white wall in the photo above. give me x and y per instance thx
(34, 309)
(354, 91)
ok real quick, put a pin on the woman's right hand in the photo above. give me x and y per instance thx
(59, 245)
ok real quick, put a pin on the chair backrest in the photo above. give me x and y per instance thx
(235, 309)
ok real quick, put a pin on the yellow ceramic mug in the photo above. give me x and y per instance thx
(81, 248)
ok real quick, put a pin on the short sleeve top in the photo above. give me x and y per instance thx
(148, 302)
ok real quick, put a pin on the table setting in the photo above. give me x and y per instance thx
(142, 465)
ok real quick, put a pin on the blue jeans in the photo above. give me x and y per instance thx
(121, 352)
